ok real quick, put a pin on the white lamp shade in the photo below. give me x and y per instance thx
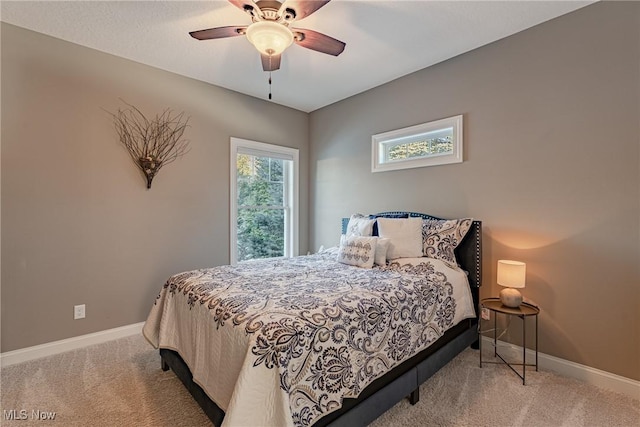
(511, 274)
(270, 38)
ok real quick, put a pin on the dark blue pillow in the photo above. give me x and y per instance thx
(375, 224)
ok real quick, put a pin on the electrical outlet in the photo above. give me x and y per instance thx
(78, 311)
(485, 314)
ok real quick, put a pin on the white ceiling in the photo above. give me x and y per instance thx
(385, 39)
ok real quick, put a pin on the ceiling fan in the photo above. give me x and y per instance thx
(270, 31)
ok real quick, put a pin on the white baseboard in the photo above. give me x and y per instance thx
(567, 368)
(24, 354)
(564, 367)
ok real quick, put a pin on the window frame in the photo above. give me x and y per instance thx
(382, 142)
(291, 192)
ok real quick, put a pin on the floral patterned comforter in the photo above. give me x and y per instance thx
(283, 341)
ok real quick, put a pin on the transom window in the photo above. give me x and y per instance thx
(428, 144)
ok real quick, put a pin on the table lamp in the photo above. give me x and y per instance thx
(511, 274)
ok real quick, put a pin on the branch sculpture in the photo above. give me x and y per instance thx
(151, 143)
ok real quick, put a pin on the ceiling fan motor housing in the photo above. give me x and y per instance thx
(270, 11)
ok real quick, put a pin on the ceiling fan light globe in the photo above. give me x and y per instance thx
(270, 38)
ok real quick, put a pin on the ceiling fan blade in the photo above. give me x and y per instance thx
(218, 33)
(245, 5)
(270, 63)
(302, 8)
(317, 41)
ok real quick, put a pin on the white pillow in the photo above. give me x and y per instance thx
(382, 246)
(360, 225)
(357, 250)
(405, 235)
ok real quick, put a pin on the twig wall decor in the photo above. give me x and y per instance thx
(151, 143)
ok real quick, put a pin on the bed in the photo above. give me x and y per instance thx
(320, 339)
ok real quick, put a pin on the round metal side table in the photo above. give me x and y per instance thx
(525, 310)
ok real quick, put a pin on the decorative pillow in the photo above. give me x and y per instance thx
(375, 224)
(405, 235)
(359, 225)
(382, 246)
(357, 250)
(441, 236)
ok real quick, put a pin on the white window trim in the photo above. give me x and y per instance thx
(292, 193)
(380, 142)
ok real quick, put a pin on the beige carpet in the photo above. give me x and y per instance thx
(120, 384)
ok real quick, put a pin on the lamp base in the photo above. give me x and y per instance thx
(510, 297)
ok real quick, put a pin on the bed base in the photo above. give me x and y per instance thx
(172, 360)
(380, 396)
(366, 409)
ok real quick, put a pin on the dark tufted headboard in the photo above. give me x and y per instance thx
(468, 252)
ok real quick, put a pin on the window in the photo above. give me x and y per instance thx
(428, 144)
(264, 200)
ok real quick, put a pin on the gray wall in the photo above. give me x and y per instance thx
(551, 168)
(78, 224)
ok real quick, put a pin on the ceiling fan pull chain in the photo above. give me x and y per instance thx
(269, 84)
